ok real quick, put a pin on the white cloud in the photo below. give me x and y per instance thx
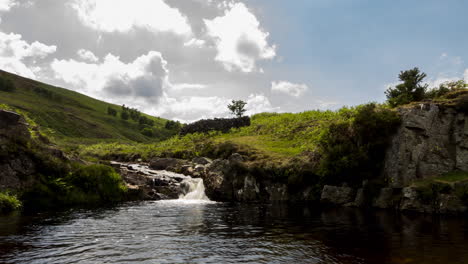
(466, 75)
(240, 41)
(191, 108)
(5, 5)
(292, 89)
(87, 55)
(259, 103)
(195, 43)
(114, 80)
(124, 15)
(18, 56)
(187, 86)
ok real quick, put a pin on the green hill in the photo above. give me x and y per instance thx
(70, 117)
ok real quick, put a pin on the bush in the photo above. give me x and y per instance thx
(8, 203)
(147, 132)
(217, 124)
(124, 115)
(354, 149)
(111, 111)
(98, 181)
(6, 85)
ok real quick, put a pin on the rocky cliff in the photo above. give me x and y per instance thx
(432, 140)
(16, 166)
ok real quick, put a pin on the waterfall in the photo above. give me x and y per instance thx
(196, 190)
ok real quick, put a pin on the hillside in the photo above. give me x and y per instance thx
(70, 117)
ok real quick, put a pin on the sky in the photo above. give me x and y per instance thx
(187, 59)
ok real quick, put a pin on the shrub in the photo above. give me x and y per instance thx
(98, 181)
(217, 124)
(111, 111)
(8, 203)
(124, 115)
(354, 149)
(6, 85)
(147, 132)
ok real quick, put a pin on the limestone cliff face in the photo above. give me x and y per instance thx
(432, 140)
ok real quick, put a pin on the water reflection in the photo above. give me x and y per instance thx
(188, 232)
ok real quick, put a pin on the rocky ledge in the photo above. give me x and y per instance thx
(144, 183)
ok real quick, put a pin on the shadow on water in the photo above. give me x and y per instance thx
(185, 232)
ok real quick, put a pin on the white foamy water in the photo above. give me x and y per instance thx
(196, 192)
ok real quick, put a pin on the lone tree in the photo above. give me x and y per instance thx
(237, 107)
(410, 90)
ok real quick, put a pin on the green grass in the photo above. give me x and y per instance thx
(272, 135)
(69, 117)
(8, 203)
(447, 178)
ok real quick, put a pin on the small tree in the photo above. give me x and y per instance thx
(111, 111)
(6, 85)
(410, 90)
(124, 115)
(237, 107)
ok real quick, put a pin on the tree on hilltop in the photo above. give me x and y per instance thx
(410, 90)
(237, 107)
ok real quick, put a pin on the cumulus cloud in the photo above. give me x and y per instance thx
(5, 5)
(124, 15)
(20, 57)
(144, 78)
(191, 108)
(240, 41)
(292, 89)
(87, 55)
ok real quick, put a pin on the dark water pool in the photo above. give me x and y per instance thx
(185, 232)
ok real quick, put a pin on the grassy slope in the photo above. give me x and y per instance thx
(72, 117)
(273, 136)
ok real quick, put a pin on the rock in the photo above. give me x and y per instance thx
(236, 158)
(202, 160)
(449, 203)
(13, 127)
(187, 170)
(200, 168)
(163, 163)
(385, 199)
(250, 190)
(411, 202)
(277, 192)
(431, 141)
(337, 195)
(360, 200)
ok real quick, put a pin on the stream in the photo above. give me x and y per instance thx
(193, 229)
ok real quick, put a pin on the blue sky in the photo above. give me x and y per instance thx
(349, 50)
(187, 59)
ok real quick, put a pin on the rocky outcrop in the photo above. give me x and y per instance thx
(147, 184)
(16, 166)
(337, 195)
(432, 140)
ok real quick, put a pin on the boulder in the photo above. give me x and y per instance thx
(385, 199)
(201, 160)
(449, 203)
(164, 163)
(337, 195)
(411, 201)
(236, 158)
